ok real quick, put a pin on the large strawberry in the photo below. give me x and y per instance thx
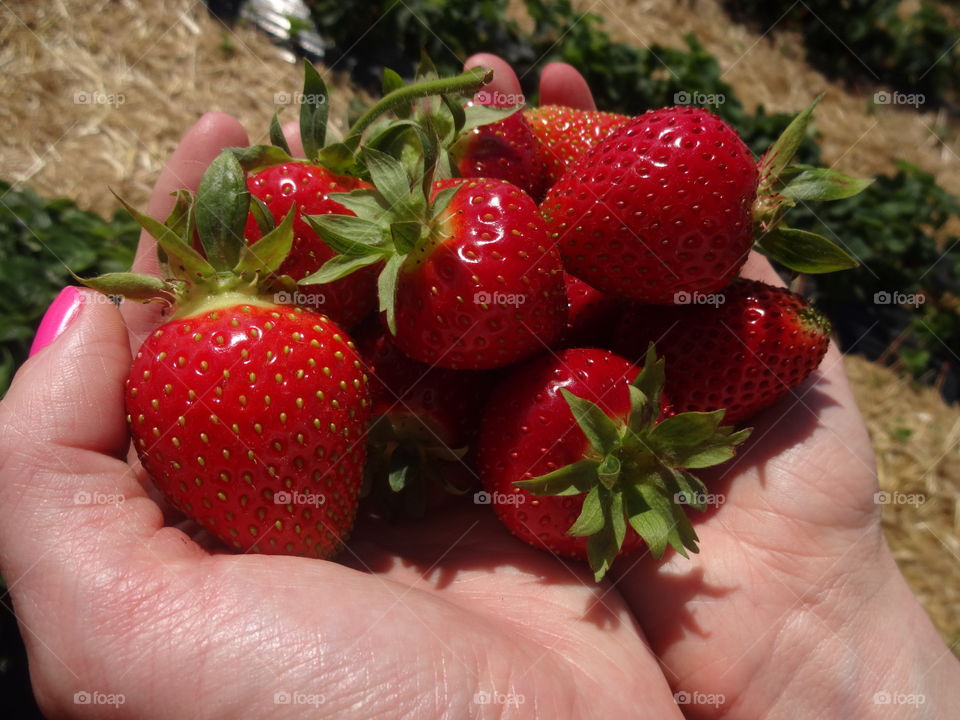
(576, 462)
(249, 416)
(591, 315)
(670, 203)
(741, 352)
(566, 133)
(424, 420)
(469, 279)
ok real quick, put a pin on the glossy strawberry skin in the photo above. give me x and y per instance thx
(528, 430)
(505, 150)
(490, 291)
(742, 355)
(565, 134)
(591, 315)
(231, 406)
(661, 206)
(345, 301)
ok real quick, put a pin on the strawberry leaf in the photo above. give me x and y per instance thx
(269, 252)
(261, 215)
(389, 177)
(363, 202)
(346, 234)
(257, 157)
(277, 138)
(805, 252)
(602, 433)
(313, 111)
(406, 235)
(340, 266)
(687, 429)
(714, 451)
(390, 81)
(572, 479)
(603, 546)
(590, 520)
(387, 290)
(222, 206)
(132, 286)
(691, 491)
(824, 184)
(781, 153)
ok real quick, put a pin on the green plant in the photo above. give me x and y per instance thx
(41, 241)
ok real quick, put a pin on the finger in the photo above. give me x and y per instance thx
(291, 131)
(202, 143)
(62, 432)
(505, 82)
(562, 84)
(759, 268)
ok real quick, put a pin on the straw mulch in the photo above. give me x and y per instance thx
(171, 62)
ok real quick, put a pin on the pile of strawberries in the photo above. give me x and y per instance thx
(541, 303)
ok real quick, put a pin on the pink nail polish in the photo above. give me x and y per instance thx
(62, 311)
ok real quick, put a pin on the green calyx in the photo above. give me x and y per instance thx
(636, 471)
(227, 266)
(799, 250)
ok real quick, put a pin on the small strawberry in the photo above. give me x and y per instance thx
(424, 420)
(670, 202)
(591, 315)
(743, 352)
(469, 280)
(576, 462)
(565, 134)
(249, 416)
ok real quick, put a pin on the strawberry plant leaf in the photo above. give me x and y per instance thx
(649, 516)
(387, 290)
(389, 178)
(132, 286)
(714, 451)
(590, 520)
(390, 81)
(442, 200)
(277, 138)
(457, 112)
(268, 253)
(603, 546)
(313, 111)
(805, 252)
(346, 234)
(686, 429)
(406, 235)
(572, 479)
(363, 202)
(649, 381)
(781, 153)
(823, 184)
(340, 266)
(692, 491)
(602, 433)
(608, 471)
(257, 157)
(476, 115)
(222, 206)
(261, 215)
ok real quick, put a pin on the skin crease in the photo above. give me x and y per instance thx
(794, 607)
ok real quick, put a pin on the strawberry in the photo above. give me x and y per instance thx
(671, 201)
(576, 462)
(248, 415)
(469, 281)
(424, 420)
(743, 352)
(506, 150)
(306, 187)
(565, 134)
(591, 315)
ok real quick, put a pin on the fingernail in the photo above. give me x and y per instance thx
(62, 311)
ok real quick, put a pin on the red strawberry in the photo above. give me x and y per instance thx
(743, 352)
(469, 280)
(560, 423)
(307, 187)
(506, 150)
(565, 134)
(662, 205)
(591, 315)
(249, 416)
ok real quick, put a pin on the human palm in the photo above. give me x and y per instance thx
(426, 620)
